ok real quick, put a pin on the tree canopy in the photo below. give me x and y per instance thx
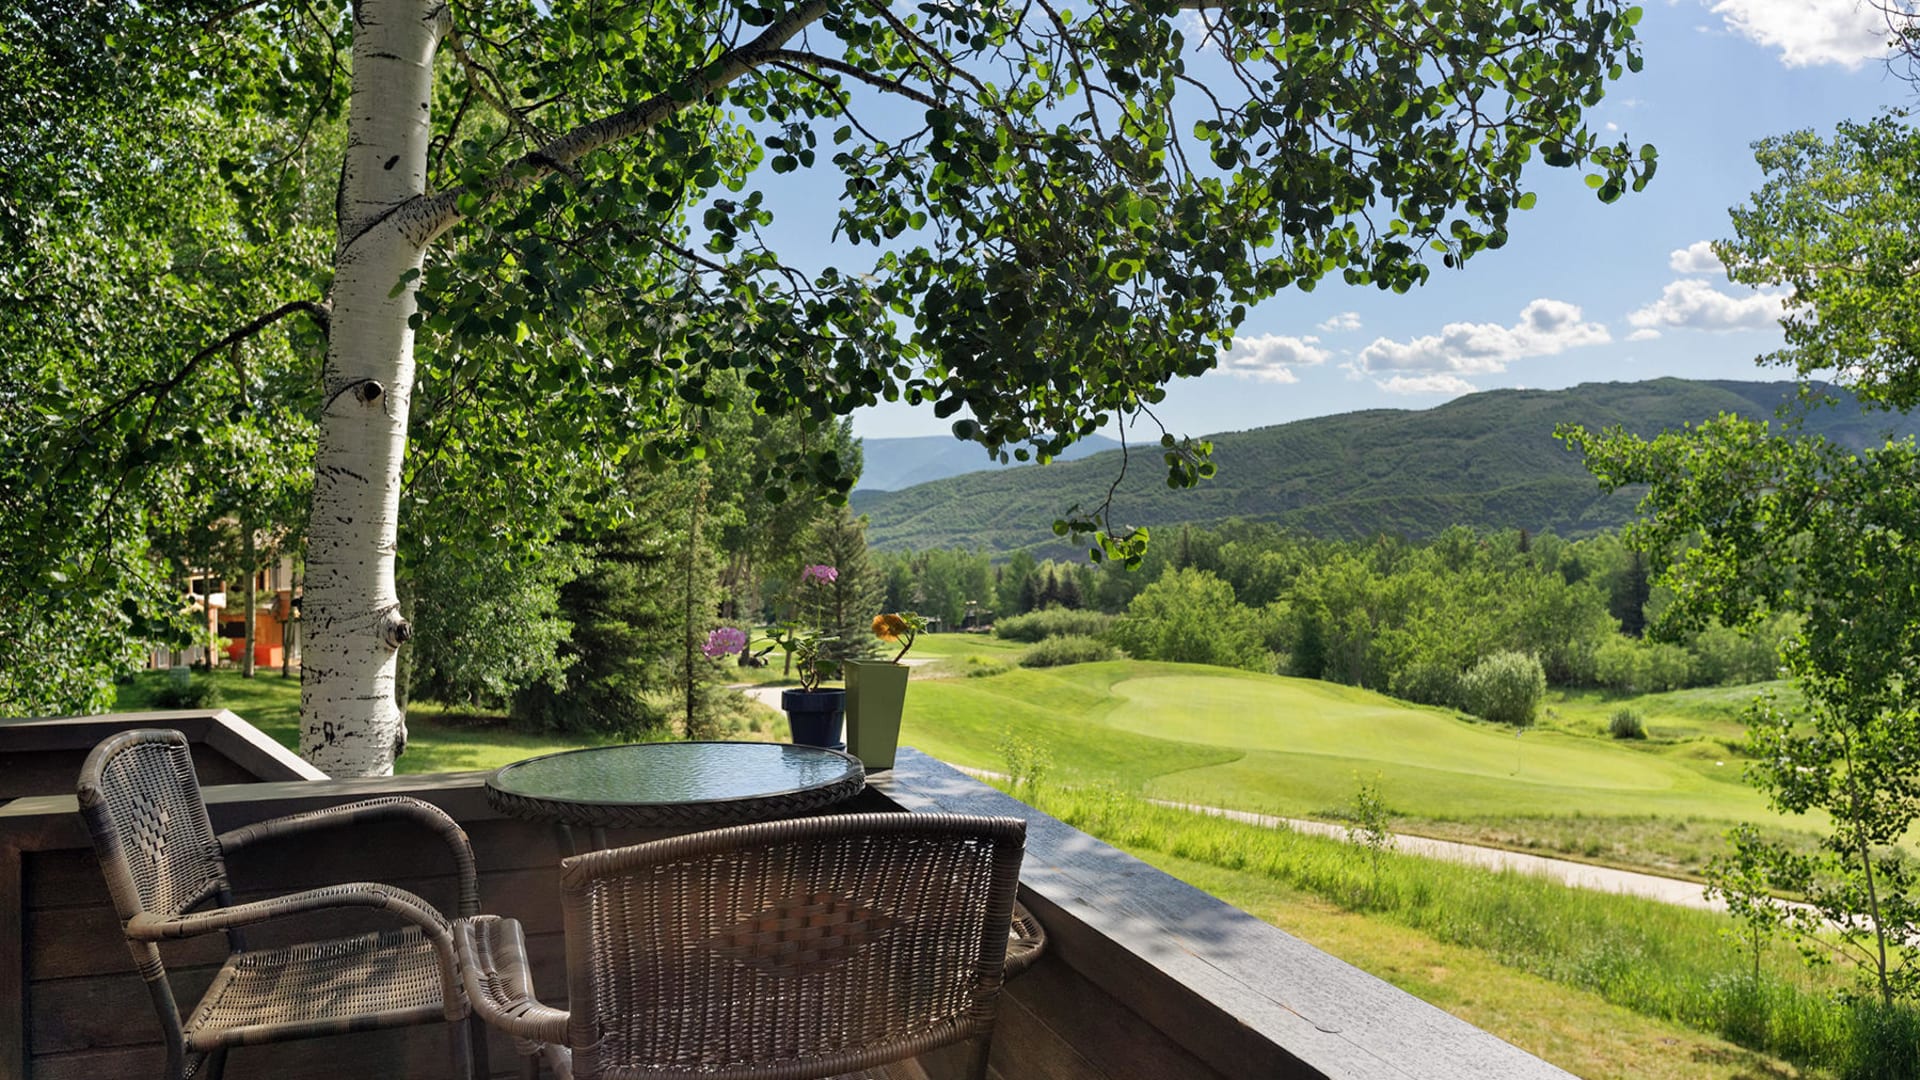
(549, 233)
(1748, 519)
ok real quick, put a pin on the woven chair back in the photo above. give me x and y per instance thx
(789, 950)
(141, 801)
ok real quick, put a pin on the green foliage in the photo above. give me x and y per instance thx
(183, 691)
(1657, 959)
(486, 626)
(1850, 304)
(1028, 760)
(1427, 682)
(1191, 616)
(1626, 723)
(1370, 826)
(1505, 688)
(629, 634)
(842, 610)
(1756, 524)
(1066, 649)
(941, 584)
(1626, 666)
(1052, 622)
(1751, 523)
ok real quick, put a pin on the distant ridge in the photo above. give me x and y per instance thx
(1488, 460)
(892, 464)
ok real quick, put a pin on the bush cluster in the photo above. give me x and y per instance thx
(1626, 724)
(188, 693)
(1505, 688)
(1052, 623)
(1072, 649)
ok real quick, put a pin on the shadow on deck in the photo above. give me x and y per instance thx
(1145, 976)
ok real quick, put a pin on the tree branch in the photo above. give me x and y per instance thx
(814, 60)
(320, 313)
(434, 214)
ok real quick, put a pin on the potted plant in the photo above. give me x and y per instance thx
(877, 692)
(813, 712)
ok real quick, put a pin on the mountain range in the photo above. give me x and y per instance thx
(1488, 460)
(892, 464)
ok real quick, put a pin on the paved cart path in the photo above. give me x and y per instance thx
(1565, 871)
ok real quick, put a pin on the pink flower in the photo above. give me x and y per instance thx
(825, 575)
(724, 641)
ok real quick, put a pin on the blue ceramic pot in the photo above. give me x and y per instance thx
(815, 716)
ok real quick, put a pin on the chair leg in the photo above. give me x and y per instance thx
(978, 1050)
(216, 1062)
(476, 1033)
(460, 1041)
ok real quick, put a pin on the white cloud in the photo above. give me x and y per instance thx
(1344, 322)
(1425, 384)
(1810, 32)
(1645, 333)
(1696, 305)
(1545, 328)
(1696, 258)
(1272, 357)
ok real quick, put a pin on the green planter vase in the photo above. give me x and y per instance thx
(876, 692)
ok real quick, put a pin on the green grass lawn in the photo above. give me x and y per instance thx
(439, 739)
(1711, 714)
(1299, 746)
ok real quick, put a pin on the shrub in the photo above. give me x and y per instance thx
(1642, 668)
(1885, 1043)
(1505, 688)
(1626, 724)
(978, 668)
(1056, 651)
(187, 693)
(1191, 617)
(1028, 760)
(1052, 622)
(1427, 683)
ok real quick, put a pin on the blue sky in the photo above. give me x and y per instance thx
(1583, 292)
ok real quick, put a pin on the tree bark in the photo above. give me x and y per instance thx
(252, 601)
(351, 723)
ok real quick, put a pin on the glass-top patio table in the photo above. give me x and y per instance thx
(674, 785)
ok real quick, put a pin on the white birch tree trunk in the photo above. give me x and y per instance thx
(351, 722)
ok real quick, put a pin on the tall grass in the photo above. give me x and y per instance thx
(1661, 960)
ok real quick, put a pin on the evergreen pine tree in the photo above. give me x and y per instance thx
(839, 540)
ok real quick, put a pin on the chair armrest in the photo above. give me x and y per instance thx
(369, 810)
(499, 983)
(1027, 939)
(433, 925)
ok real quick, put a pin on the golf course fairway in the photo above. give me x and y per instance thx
(1301, 746)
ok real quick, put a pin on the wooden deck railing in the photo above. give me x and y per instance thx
(1145, 977)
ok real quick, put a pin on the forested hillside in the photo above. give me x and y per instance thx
(892, 464)
(1488, 460)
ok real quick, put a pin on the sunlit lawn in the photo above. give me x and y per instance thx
(440, 739)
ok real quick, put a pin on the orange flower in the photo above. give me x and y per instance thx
(889, 628)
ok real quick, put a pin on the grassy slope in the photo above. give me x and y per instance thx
(1578, 1030)
(1298, 746)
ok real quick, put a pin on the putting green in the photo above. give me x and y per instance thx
(1300, 746)
(1297, 717)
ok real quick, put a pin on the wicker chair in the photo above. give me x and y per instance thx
(785, 951)
(162, 860)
